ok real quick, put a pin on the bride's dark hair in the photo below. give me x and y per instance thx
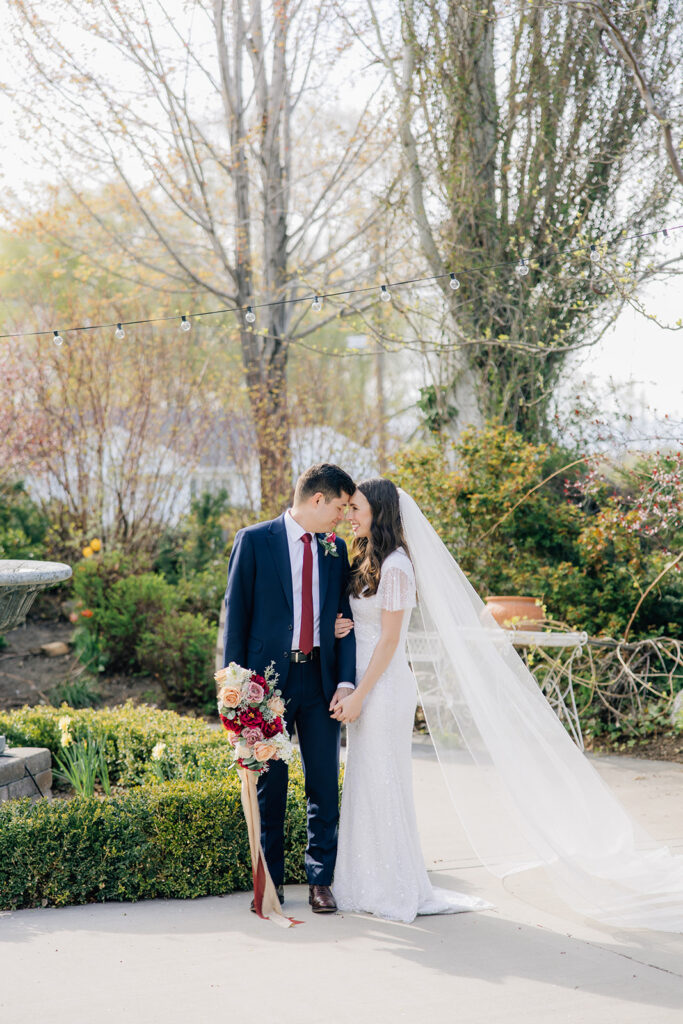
(386, 534)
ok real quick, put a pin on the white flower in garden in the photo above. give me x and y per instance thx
(158, 751)
(64, 723)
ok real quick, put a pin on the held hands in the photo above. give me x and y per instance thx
(342, 627)
(349, 708)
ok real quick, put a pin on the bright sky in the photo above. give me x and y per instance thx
(637, 351)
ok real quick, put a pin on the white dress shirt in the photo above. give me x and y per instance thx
(296, 559)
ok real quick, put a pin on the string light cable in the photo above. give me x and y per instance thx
(522, 265)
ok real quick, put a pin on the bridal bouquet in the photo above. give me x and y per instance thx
(251, 708)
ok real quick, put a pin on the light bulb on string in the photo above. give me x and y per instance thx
(522, 268)
(594, 254)
(317, 304)
(454, 283)
(119, 333)
(666, 237)
(250, 315)
(185, 324)
(385, 294)
(57, 338)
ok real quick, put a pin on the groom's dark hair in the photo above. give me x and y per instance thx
(325, 478)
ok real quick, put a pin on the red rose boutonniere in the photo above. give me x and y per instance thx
(329, 544)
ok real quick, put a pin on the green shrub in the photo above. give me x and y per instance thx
(203, 592)
(130, 733)
(141, 623)
(515, 527)
(23, 526)
(177, 839)
(120, 606)
(199, 538)
(132, 607)
(179, 652)
(93, 578)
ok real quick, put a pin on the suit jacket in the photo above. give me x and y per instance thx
(259, 606)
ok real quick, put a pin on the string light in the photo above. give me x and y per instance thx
(119, 333)
(521, 268)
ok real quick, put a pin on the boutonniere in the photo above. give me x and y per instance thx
(329, 544)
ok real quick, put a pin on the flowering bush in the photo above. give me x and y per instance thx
(586, 540)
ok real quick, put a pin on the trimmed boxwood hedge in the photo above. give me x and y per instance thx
(177, 839)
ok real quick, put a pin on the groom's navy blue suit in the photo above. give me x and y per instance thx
(259, 630)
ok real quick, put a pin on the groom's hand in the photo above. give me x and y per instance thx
(338, 697)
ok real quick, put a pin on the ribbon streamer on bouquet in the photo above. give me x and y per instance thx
(266, 901)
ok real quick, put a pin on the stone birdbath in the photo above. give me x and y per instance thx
(20, 581)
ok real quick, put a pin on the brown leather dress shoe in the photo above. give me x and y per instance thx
(280, 895)
(321, 899)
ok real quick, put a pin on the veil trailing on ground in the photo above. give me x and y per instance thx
(526, 795)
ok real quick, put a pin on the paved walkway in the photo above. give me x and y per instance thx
(531, 960)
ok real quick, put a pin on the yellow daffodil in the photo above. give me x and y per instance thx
(96, 544)
(87, 552)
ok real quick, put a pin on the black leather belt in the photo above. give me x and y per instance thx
(299, 658)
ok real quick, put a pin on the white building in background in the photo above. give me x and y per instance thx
(164, 483)
(218, 470)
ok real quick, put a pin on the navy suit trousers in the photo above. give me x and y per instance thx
(308, 709)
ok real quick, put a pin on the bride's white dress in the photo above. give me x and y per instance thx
(380, 868)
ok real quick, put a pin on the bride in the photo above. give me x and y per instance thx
(379, 865)
(526, 795)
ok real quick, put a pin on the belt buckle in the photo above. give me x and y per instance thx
(299, 658)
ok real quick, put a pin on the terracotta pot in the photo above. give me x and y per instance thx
(514, 612)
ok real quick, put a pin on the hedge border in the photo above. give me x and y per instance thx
(179, 839)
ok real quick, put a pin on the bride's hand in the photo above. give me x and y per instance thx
(349, 709)
(342, 626)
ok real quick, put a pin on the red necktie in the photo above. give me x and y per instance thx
(306, 634)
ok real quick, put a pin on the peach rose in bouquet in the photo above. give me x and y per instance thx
(230, 696)
(264, 750)
(276, 705)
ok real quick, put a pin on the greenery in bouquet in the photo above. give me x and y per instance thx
(251, 708)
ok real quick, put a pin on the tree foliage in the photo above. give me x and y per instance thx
(524, 137)
(244, 190)
(586, 539)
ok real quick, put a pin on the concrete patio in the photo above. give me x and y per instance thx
(528, 960)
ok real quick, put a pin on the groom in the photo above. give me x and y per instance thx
(286, 584)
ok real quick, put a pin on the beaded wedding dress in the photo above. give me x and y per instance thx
(380, 868)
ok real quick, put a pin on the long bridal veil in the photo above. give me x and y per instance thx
(526, 795)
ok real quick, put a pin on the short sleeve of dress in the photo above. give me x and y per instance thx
(396, 589)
